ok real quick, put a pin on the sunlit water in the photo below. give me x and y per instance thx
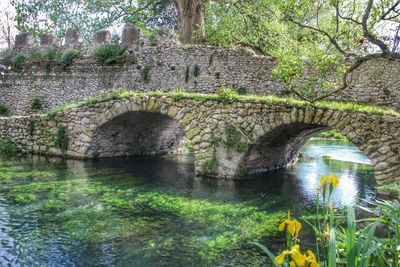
(155, 212)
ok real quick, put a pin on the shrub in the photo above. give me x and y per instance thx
(8, 148)
(18, 61)
(49, 57)
(3, 109)
(145, 74)
(62, 138)
(34, 54)
(37, 103)
(110, 54)
(68, 57)
(211, 166)
(196, 70)
(242, 90)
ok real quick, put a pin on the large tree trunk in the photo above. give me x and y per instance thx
(190, 20)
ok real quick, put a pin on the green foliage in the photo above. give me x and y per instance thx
(145, 73)
(51, 56)
(233, 139)
(332, 134)
(68, 57)
(8, 148)
(242, 90)
(227, 95)
(153, 39)
(37, 103)
(187, 73)
(210, 167)
(196, 70)
(34, 54)
(4, 110)
(18, 61)
(23, 198)
(31, 127)
(110, 54)
(133, 58)
(61, 140)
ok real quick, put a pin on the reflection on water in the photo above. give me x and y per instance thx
(155, 212)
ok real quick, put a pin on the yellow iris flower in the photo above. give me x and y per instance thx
(329, 179)
(293, 226)
(298, 259)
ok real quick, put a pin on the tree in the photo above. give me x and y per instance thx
(318, 43)
(89, 16)
(7, 30)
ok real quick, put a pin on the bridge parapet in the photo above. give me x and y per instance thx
(230, 140)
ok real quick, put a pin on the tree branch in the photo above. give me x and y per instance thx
(371, 37)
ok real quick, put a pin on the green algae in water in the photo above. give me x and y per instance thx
(142, 213)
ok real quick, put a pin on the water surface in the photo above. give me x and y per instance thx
(155, 212)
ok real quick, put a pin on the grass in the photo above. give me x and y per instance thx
(227, 96)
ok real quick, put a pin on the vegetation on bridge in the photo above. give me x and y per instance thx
(228, 96)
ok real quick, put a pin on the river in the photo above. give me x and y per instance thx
(155, 212)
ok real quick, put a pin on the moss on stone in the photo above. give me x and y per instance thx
(233, 139)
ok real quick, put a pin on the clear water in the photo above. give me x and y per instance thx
(155, 212)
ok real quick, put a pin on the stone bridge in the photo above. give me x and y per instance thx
(230, 140)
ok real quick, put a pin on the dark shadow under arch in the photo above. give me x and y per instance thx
(136, 133)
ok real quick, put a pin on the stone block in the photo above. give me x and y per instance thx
(24, 41)
(130, 39)
(47, 40)
(73, 38)
(101, 38)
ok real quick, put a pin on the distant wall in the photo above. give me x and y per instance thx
(171, 65)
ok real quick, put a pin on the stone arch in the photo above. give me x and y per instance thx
(278, 146)
(137, 126)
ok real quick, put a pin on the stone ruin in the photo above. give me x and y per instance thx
(101, 37)
(24, 41)
(132, 39)
(73, 39)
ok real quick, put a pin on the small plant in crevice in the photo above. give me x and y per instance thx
(37, 103)
(386, 92)
(187, 73)
(196, 70)
(68, 57)
(233, 139)
(145, 72)
(242, 90)
(110, 54)
(153, 39)
(210, 59)
(18, 61)
(8, 148)
(30, 128)
(133, 58)
(61, 141)
(4, 110)
(210, 167)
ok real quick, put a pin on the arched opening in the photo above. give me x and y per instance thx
(278, 148)
(137, 133)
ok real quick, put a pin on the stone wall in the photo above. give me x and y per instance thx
(229, 140)
(169, 66)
